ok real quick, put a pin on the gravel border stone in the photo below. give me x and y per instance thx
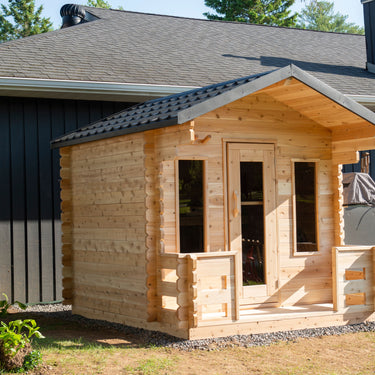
(154, 338)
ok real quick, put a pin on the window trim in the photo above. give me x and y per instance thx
(294, 207)
(206, 246)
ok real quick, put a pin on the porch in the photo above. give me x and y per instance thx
(200, 296)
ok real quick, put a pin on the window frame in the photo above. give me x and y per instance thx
(294, 207)
(206, 247)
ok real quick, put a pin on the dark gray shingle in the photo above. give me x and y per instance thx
(130, 47)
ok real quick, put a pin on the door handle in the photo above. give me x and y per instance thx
(236, 198)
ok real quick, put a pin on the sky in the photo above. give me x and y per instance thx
(183, 8)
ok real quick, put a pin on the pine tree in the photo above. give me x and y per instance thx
(266, 12)
(319, 15)
(19, 19)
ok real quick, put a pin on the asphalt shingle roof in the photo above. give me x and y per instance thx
(129, 47)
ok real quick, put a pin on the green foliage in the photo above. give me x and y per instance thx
(16, 334)
(19, 19)
(98, 4)
(31, 361)
(319, 15)
(266, 12)
(101, 4)
(5, 304)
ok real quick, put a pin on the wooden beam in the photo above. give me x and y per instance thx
(354, 145)
(350, 157)
(353, 132)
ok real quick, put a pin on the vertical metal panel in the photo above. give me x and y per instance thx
(17, 152)
(83, 114)
(58, 127)
(32, 200)
(70, 116)
(6, 248)
(372, 164)
(30, 233)
(369, 18)
(46, 202)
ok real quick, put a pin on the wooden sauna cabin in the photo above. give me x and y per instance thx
(218, 211)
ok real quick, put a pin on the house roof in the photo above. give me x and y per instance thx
(180, 108)
(146, 49)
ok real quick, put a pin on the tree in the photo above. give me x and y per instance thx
(19, 19)
(319, 15)
(98, 4)
(101, 4)
(267, 12)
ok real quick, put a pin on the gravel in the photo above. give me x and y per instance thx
(154, 338)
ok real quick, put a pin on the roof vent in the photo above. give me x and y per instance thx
(72, 14)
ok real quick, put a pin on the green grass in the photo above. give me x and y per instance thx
(151, 366)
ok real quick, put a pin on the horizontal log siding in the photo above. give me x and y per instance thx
(108, 229)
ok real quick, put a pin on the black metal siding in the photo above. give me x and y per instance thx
(357, 167)
(369, 17)
(30, 243)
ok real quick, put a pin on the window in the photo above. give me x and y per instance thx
(252, 223)
(305, 208)
(191, 205)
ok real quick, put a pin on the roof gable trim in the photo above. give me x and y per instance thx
(227, 97)
(267, 80)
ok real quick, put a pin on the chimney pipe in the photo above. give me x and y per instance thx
(72, 14)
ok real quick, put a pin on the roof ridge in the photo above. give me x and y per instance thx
(221, 21)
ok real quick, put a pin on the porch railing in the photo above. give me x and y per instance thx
(353, 278)
(197, 288)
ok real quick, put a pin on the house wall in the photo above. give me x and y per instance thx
(30, 245)
(303, 279)
(103, 204)
(119, 212)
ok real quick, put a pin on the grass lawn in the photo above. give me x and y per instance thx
(71, 348)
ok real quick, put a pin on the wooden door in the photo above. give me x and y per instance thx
(252, 218)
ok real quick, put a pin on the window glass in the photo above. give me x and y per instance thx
(252, 223)
(191, 206)
(305, 206)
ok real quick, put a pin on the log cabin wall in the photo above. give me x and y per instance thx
(302, 279)
(104, 229)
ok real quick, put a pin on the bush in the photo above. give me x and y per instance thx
(15, 346)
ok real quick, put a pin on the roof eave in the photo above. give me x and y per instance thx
(75, 89)
(111, 134)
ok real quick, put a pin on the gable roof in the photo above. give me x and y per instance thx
(183, 107)
(146, 49)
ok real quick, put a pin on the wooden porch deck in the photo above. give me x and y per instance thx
(201, 296)
(273, 319)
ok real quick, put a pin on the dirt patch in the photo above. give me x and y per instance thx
(10, 361)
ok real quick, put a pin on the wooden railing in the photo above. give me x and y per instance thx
(353, 277)
(197, 288)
